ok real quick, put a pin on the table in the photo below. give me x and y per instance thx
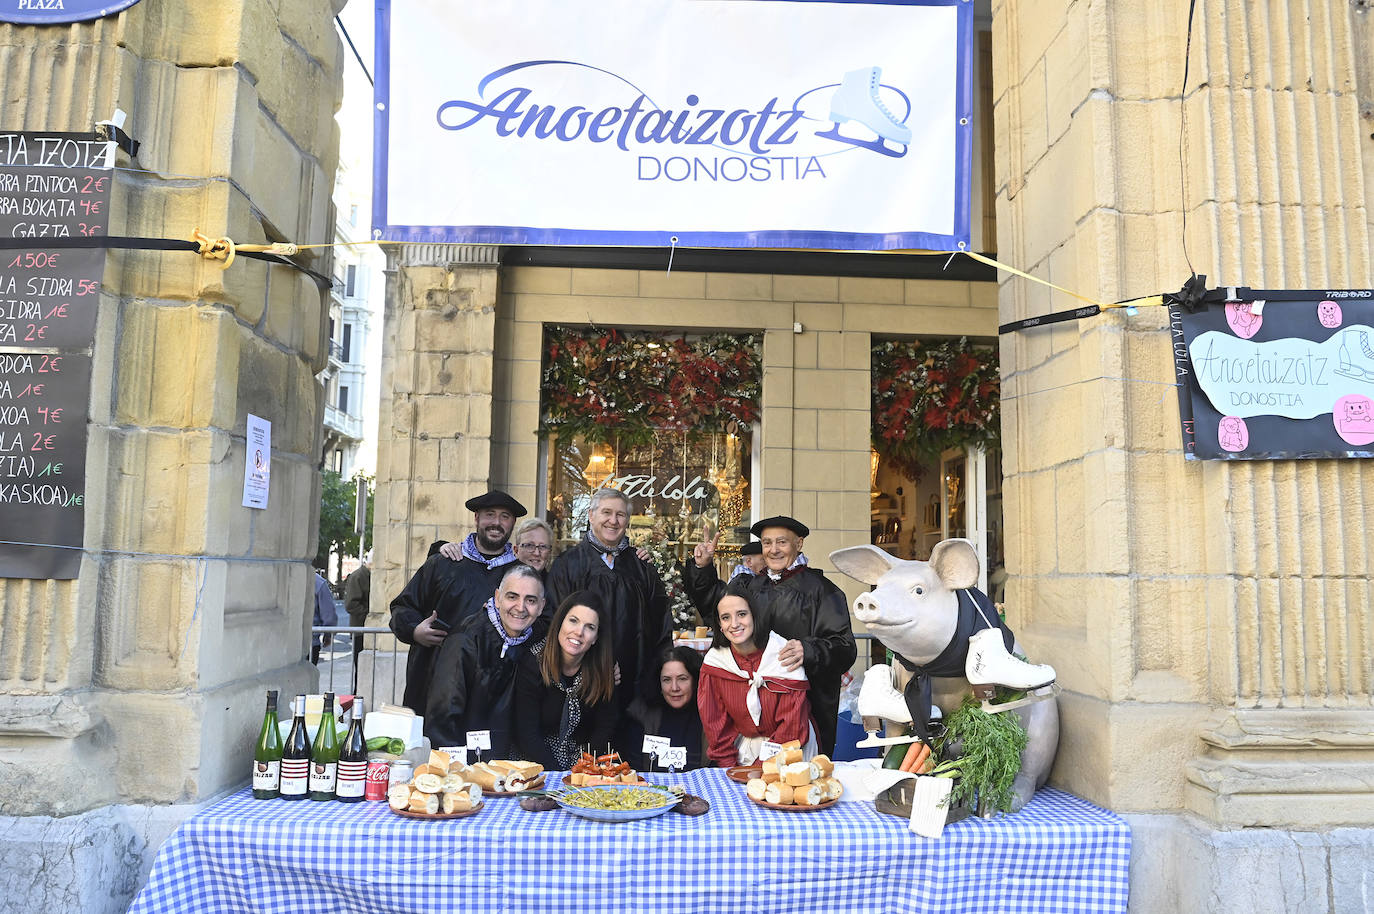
(1059, 854)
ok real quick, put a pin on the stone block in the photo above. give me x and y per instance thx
(807, 289)
(148, 611)
(443, 417)
(740, 286)
(777, 424)
(777, 467)
(940, 293)
(819, 388)
(540, 280)
(777, 348)
(804, 350)
(777, 387)
(830, 350)
(178, 365)
(872, 291)
(804, 424)
(816, 470)
(657, 284)
(858, 351)
(619, 283)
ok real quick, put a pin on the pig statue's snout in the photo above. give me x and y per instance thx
(865, 608)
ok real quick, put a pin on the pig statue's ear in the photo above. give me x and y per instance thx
(956, 562)
(863, 563)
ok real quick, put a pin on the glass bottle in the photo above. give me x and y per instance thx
(353, 759)
(324, 755)
(295, 756)
(267, 754)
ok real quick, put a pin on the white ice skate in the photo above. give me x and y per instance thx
(1357, 357)
(989, 665)
(879, 700)
(857, 100)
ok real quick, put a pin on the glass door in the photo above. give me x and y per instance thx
(964, 502)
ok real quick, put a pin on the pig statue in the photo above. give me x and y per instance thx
(914, 610)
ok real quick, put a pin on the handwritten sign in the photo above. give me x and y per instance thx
(768, 750)
(43, 400)
(479, 739)
(1278, 379)
(674, 757)
(655, 746)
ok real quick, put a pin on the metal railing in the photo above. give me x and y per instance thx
(381, 656)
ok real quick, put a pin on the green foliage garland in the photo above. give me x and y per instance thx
(929, 397)
(610, 384)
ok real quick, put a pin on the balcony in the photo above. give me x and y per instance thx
(342, 423)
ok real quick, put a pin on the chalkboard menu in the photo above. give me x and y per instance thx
(52, 185)
(1278, 379)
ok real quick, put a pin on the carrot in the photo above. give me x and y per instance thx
(921, 759)
(912, 752)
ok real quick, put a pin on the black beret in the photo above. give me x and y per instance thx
(787, 523)
(496, 499)
(754, 547)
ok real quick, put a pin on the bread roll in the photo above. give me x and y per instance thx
(457, 801)
(810, 795)
(797, 774)
(428, 783)
(832, 788)
(778, 794)
(474, 793)
(487, 778)
(398, 796)
(827, 767)
(527, 771)
(427, 803)
(452, 782)
(423, 769)
(791, 756)
(756, 788)
(439, 762)
(703, 631)
(771, 772)
(792, 744)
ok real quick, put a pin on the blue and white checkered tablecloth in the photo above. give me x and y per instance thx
(1059, 854)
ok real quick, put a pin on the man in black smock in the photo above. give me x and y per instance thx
(800, 604)
(641, 626)
(444, 592)
(473, 683)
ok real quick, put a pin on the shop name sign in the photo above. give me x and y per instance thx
(776, 123)
(51, 12)
(647, 487)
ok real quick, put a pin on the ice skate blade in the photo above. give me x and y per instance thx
(1040, 694)
(877, 145)
(873, 739)
(1358, 374)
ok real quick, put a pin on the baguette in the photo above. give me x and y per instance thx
(458, 801)
(439, 762)
(487, 778)
(832, 787)
(823, 762)
(526, 770)
(398, 796)
(451, 783)
(792, 744)
(756, 788)
(797, 774)
(791, 756)
(771, 771)
(427, 803)
(428, 783)
(779, 794)
(810, 795)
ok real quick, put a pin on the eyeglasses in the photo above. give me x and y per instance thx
(534, 547)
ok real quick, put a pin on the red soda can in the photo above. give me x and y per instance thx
(378, 773)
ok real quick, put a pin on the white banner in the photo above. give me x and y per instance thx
(744, 123)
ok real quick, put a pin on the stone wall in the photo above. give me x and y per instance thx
(1210, 621)
(142, 680)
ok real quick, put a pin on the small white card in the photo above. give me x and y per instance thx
(479, 739)
(674, 757)
(257, 469)
(456, 753)
(768, 750)
(655, 745)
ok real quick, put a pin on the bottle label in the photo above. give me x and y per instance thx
(295, 776)
(352, 779)
(266, 775)
(322, 777)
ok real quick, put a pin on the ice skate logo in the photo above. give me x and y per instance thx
(1356, 354)
(858, 98)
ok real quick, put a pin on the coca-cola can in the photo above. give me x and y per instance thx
(378, 779)
(400, 772)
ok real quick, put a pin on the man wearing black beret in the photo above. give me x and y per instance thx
(443, 593)
(799, 604)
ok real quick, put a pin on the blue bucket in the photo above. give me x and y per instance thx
(847, 734)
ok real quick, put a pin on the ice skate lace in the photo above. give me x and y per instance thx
(873, 86)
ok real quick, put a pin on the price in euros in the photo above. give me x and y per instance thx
(87, 286)
(88, 229)
(42, 442)
(90, 206)
(50, 415)
(93, 185)
(34, 260)
(36, 332)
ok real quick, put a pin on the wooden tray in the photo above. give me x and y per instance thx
(744, 773)
(407, 814)
(567, 782)
(534, 785)
(793, 808)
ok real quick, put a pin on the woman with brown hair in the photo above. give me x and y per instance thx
(563, 687)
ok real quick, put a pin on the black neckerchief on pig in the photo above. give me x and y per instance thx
(950, 661)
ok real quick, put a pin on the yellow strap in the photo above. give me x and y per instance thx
(1143, 302)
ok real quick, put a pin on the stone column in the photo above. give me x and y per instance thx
(434, 428)
(1211, 622)
(140, 683)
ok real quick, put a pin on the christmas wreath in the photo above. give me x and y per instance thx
(929, 397)
(606, 385)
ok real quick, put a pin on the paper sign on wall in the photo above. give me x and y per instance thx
(257, 470)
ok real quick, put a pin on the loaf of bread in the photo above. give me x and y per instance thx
(798, 774)
(756, 788)
(452, 782)
(831, 787)
(427, 803)
(458, 801)
(779, 794)
(790, 756)
(439, 762)
(398, 796)
(827, 767)
(487, 778)
(791, 744)
(809, 795)
(771, 772)
(428, 783)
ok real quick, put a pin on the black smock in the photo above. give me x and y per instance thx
(539, 711)
(705, 588)
(455, 590)
(680, 726)
(472, 686)
(807, 607)
(640, 624)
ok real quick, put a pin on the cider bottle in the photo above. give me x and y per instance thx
(353, 759)
(267, 754)
(295, 756)
(324, 755)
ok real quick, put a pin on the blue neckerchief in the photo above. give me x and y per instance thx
(508, 641)
(470, 551)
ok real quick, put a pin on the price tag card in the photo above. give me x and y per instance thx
(655, 745)
(674, 757)
(479, 739)
(456, 753)
(769, 750)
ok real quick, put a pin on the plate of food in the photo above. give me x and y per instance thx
(617, 803)
(796, 787)
(437, 792)
(601, 770)
(504, 777)
(408, 814)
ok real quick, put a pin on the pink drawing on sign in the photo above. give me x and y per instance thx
(1233, 434)
(1353, 416)
(1329, 313)
(1242, 320)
